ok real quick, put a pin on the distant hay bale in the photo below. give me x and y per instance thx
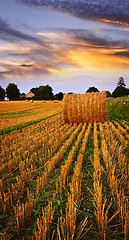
(43, 101)
(56, 101)
(31, 101)
(85, 108)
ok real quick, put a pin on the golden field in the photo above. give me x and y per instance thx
(62, 181)
(14, 113)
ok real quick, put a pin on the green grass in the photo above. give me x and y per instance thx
(118, 108)
(15, 114)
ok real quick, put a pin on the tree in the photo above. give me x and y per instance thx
(108, 94)
(2, 94)
(121, 82)
(35, 91)
(22, 96)
(58, 96)
(92, 89)
(120, 91)
(43, 92)
(12, 92)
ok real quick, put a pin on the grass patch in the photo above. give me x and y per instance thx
(15, 114)
(118, 108)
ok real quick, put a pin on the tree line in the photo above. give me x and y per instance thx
(46, 92)
(40, 93)
(119, 91)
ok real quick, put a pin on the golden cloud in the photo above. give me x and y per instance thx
(77, 52)
(114, 22)
(99, 59)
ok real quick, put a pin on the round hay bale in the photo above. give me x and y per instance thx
(65, 108)
(85, 108)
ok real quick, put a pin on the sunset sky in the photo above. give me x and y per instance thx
(70, 45)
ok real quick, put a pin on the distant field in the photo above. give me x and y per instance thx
(16, 113)
(60, 181)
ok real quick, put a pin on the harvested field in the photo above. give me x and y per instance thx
(64, 181)
(14, 113)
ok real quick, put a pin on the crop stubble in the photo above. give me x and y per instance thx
(29, 160)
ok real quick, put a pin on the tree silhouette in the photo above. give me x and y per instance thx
(2, 94)
(108, 94)
(120, 91)
(43, 92)
(12, 92)
(92, 89)
(121, 82)
(58, 96)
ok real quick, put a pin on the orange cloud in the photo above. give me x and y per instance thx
(113, 21)
(81, 51)
(97, 59)
(125, 29)
(18, 69)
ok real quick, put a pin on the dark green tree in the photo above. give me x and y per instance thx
(58, 96)
(120, 91)
(108, 94)
(121, 82)
(22, 96)
(2, 94)
(12, 92)
(92, 89)
(43, 92)
(36, 92)
(46, 92)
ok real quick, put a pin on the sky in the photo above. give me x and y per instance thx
(69, 44)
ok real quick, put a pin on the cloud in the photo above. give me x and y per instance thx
(9, 34)
(89, 37)
(116, 11)
(64, 49)
(18, 70)
(122, 54)
(104, 38)
(26, 65)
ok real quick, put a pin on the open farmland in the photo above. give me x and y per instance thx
(63, 181)
(20, 113)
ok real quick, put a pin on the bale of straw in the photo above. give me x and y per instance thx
(88, 108)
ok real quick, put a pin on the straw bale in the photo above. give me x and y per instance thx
(88, 108)
(65, 108)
